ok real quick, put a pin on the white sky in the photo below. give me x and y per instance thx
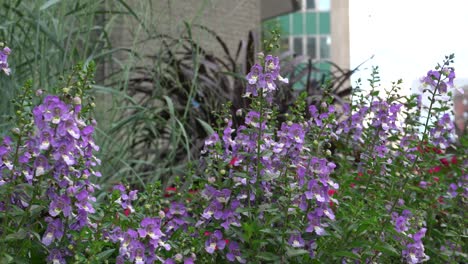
(408, 37)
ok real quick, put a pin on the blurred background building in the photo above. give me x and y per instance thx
(318, 29)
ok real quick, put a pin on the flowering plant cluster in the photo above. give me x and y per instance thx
(325, 183)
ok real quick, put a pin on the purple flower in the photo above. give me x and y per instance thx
(41, 164)
(4, 60)
(54, 231)
(215, 241)
(137, 252)
(60, 204)
(56, 257)
(54, 110)
(295, 240)
(234, 253)
(150, 227)
(414, 252)
(83, 203)
(255, 72)
(69, 127)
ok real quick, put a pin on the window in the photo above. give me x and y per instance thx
(324, 5)
(312, 47)
(310, 4)
(298, 50)
(325, 42)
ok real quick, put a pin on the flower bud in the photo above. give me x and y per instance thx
(39, 92)
(76, 100)
(261, 55)
(289, 123)
(178, 257)
(223, 172)
(239, 112)
(211, 179)
(161, 214)
(15, 131)
(323, 105)
(66, 90)
(328, 153)
(93, 104)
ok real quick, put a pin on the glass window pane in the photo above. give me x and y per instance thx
(325, 43)
(324, 22)
(312, 47)
(298, 46)
(310, 4)
(324, 5)
(297, 24)
(311, 23)
(284, 24)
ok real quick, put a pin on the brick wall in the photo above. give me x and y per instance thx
(230, 19)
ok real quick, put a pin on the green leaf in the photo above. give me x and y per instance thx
(208, 129)
(386, 248)
(48, 4)
(296, 252)
(19, 235)
(268, 256)
(105, 254)
(346, 254)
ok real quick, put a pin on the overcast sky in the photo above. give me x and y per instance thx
(408, 37)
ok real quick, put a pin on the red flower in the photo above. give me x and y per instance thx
(352, 185)
(127, 211)
(440, 200)
(434, 170)
(444, 161)
(233, 161)
(436, 179)
(207, 233)
(170, 191)
(331, 192)
(454, 160)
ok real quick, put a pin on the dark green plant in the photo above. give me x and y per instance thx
(173, 102)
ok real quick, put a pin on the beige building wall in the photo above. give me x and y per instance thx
(340, 33)
(230, 19)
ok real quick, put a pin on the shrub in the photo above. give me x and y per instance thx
(366, 187)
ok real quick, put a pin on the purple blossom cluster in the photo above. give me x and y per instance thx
(439, 132)
(144, 244)
(125, 199)
(414, 251)
(263, 78)
(4, 60)
(59, 152)
(439, 79)
(259, 179)
(414, 248)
